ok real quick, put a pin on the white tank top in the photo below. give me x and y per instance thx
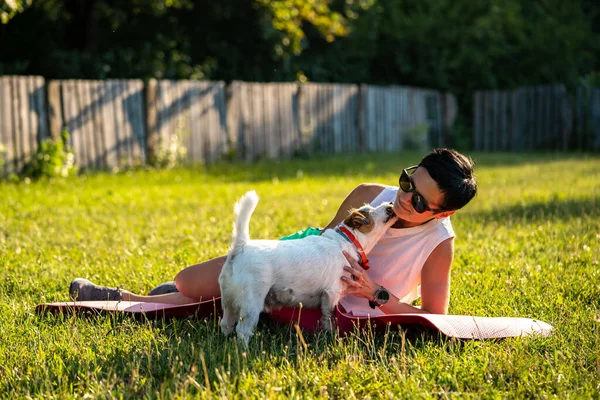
(398, 258)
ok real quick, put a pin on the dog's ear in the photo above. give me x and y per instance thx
(363, 222)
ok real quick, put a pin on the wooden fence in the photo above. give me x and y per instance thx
(116, 123)
(105, 121)
(537, 118)
(329, 118)
(263, 119)
(396, 116)
(191, 113)
(23, 119)
(277, 120)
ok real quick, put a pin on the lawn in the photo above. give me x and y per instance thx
(527, 246)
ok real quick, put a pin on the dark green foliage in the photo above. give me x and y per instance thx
(451, 45)
(444, 44)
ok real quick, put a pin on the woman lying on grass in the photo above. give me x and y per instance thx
(413, 257)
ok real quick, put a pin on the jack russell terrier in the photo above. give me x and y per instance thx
(261, 274)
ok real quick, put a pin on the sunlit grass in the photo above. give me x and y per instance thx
(527, 246)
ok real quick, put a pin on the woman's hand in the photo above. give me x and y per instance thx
(360, 284)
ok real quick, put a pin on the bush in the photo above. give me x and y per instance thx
(54, 158)
(170, 154)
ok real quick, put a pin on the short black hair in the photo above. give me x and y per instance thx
(453, 173)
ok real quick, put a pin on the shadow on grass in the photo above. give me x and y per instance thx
(362, 164)
(543, 211)
(514, 159)
(318, 166)
(167, 348)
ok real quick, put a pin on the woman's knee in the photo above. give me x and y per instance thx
(200, 281)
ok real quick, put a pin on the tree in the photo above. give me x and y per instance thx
(10, 8)
(451, 45)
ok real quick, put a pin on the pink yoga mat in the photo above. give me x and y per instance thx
(453, 326)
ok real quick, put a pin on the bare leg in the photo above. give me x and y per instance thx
(195, 283)
(201, 280)
(169, 298)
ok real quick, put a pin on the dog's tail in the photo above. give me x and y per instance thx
(241, 227)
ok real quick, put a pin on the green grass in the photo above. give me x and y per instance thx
(527, 246)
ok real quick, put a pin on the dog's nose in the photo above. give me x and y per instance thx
(390, 210)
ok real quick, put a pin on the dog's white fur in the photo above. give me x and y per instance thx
(259, 274)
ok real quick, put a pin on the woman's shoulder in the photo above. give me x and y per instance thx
(367, 192)
(372, 188)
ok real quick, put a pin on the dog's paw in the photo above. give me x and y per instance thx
(244, 340)
(327, 324)
(226, 329)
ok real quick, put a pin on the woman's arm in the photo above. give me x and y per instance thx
(435, 283)
(435, 278)
(363, 193)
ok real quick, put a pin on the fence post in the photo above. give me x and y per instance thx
(515, 122)
(7, 133)
(362, 92)
(449, 112)
(477, 115)
(152, 134)
(231, 119)
(566, 118)
(300, 114)
(595, 118)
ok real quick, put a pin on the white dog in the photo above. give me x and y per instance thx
(259, 274)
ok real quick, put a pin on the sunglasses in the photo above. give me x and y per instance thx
(417, 200)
